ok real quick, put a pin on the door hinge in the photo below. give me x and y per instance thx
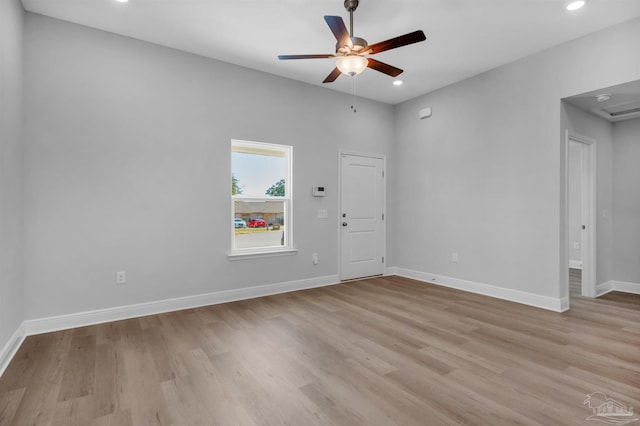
(382, 216)
(383, 173)
(382, 259)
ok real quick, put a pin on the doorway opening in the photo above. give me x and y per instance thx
(580, 215)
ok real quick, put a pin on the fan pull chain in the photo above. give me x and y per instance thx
(354, 98)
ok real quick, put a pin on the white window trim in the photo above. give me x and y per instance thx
(261, 254)
(258, 252)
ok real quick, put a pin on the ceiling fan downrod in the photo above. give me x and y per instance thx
(351, 6)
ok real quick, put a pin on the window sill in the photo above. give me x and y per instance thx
(261, 254)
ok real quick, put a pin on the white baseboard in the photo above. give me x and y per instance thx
(609, 286)
(626, 287)
(544, 302)
(392, 270)
(575, 264)
(11, 347)
(81, 319)
(564, 304)
(604, 288)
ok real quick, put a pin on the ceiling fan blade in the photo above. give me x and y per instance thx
(395, 42)
(283, 57)
(332, 77)
(384, 68)
(339, 30)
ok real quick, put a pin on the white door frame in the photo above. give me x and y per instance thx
(589, 213)
(384, 203)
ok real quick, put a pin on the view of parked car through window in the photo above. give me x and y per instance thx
(257, 223)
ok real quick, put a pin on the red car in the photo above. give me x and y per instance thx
(257, 223)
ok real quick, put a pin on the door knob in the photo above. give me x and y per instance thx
(344, 223)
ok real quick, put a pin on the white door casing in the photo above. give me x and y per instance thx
(362, 233)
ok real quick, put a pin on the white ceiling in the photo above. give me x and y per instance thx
(464, 37)
(623, 103)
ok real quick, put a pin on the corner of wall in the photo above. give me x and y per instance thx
(12, 307)
(11, 347)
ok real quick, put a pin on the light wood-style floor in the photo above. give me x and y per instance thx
(382, 351)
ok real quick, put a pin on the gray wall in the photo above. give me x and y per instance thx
(483, 175)
(626, 201)
(586, 124)
(128, 168)
(127, 165)
(11, 182)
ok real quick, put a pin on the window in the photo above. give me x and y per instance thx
(260, 198)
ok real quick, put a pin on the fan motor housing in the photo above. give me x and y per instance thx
(359, 44)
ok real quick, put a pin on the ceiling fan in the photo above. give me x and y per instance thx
(351, 51)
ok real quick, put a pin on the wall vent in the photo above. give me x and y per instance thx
(618, 111)
(625, 112)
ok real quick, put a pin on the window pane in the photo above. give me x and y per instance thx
(259, 224)
(257, 175)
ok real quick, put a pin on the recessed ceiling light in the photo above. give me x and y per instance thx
(122, 1)
(575, 5)
(603, 97)
(397, 82)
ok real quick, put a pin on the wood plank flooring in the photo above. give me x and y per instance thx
(381, 351)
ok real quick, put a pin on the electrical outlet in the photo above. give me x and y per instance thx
(314, 258)
(121, 277)
(454, 257)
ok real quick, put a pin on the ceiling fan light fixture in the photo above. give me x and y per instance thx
(351, 64)
(575, 5)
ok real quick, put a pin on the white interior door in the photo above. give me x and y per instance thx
(585, 152)
(588, 214)
(575, 205)
(362, 216)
